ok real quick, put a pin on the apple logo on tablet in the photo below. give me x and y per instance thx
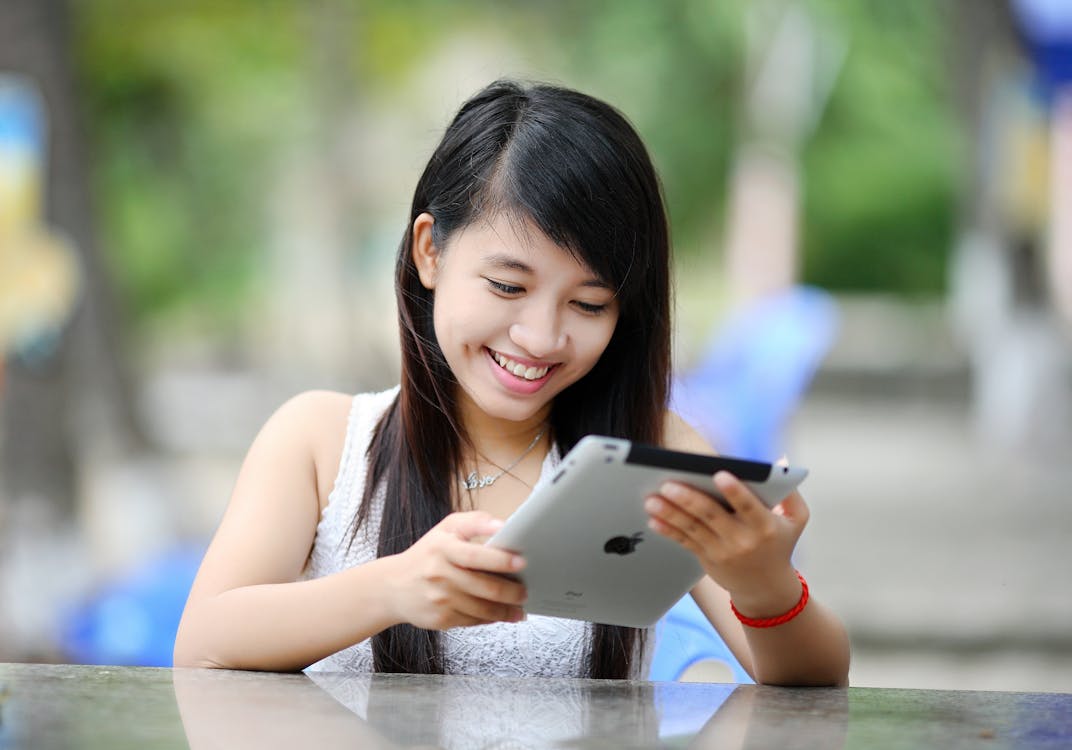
(623, 545)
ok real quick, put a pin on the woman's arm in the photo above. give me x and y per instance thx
(248, 610)
(746, 555)
(245, 609)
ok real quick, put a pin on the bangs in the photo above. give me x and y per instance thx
(565, 187)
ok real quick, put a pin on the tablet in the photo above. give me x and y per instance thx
(584, 533)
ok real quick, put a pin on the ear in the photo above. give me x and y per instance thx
(425, 253)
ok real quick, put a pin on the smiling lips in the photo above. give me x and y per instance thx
(518, 369)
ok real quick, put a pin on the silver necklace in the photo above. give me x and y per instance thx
(473, 482)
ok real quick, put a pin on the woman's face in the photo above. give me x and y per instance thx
(517, 317)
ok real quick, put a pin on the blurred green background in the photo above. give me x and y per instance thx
(189, 105)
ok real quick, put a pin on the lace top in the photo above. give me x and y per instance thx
(538, 646)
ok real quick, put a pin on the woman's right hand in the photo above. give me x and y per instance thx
(447, 580)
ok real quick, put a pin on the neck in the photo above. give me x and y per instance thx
(502, 439)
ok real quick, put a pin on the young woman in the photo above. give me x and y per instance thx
(533, 288)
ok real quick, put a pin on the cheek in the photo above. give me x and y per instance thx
(594, 341)
(446, 331)
(459, 321)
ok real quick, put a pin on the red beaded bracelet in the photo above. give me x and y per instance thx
(770, 622)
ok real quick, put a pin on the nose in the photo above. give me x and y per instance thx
(539, 332)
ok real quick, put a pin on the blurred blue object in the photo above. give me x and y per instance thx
(740, 397)
(22, 118)
(132, 620)
(684, 637)
(1046, 26)
(756, 370)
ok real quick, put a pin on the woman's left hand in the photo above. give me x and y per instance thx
(746, 550)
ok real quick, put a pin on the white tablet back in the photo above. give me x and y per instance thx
(584, 534)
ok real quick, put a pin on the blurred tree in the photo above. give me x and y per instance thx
(83, 383)
(187, 103)
(676, 68)
(191, 102)
(881, 172)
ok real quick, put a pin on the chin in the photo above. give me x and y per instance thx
(513, 409)
(515, 412)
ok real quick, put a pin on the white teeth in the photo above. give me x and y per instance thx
(519, 370)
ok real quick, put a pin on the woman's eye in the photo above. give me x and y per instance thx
(502, 288)
(589, 308)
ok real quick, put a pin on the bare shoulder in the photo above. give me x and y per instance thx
(309, 418)
(270, 522)
(318, 419)
(679, 435)
(313, 408)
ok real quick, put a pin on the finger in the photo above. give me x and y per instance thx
(703, 505)
(783, 461)
(473, 556)
(794, 508)
(489, 587)
(678, 524)
(471, 524)
(676, 534)
(737, 494)
(454, 619)
(484, 611)
(455, 604)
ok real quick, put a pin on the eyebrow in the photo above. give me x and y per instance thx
(509, 263)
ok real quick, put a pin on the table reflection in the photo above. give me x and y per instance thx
(759, 718)
(235, 710)
(231, 709)
(75, 706)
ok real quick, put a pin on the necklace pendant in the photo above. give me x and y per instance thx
(473, 482)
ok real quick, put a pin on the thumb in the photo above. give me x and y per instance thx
(781, 509)
(794, 508)
(471, 524)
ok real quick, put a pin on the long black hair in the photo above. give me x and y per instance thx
(575, 168)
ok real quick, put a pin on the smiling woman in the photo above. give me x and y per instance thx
(518, 318)
(537, 235)
(533, 290)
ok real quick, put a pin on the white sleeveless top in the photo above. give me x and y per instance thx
(538, 646)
